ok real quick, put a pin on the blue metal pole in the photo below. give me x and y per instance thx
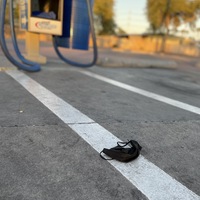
(81, 25)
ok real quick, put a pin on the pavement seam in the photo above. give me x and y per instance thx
(26, 126)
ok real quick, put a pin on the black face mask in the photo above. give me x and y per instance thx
(123, 153)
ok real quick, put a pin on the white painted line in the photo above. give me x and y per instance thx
(154, 183)
(145, 93)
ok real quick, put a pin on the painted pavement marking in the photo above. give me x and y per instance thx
(145, 93)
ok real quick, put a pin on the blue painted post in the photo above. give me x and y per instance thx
(81, 25)
(76, 25)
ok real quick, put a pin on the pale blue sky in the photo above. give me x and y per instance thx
(130, 15)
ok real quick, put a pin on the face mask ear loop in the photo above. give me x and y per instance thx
(104, 157)
(123, 144)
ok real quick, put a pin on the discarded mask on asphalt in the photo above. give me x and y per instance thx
(123, 153)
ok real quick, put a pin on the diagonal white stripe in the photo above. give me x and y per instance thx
(145, 93)
(154, 183)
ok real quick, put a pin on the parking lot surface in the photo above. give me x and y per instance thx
(54, 123)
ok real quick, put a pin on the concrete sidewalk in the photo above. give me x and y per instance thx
(114, 58)
(126, 59)
(106, 57)
(118, 58)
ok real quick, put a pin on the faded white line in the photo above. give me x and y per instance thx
(154, 183)
(145, 93)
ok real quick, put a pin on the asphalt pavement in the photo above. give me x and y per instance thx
(54, 123)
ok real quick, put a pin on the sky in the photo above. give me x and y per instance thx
(130, 15)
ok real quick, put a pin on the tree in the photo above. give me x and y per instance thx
(104, 16)
(120, 31)
(162, 14)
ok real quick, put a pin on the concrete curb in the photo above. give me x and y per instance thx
(135, 62)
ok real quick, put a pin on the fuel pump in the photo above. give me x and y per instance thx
(81, 24)
(70, 23)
